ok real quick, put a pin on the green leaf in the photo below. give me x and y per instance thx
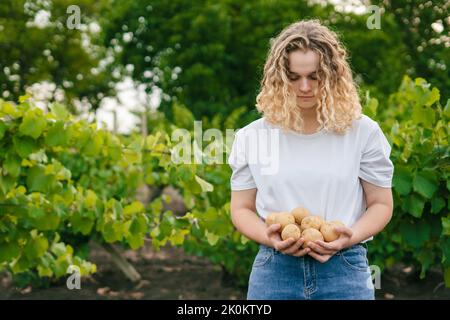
(36, 247)
(135, 240)
(183, 222)
(94, 146)
(421, 82)
(21, 264)
(24, 146)
(57, 135)
(117, 209)
(166, 225)
(24, 98)
(36, 213)
(178, 236)
(2, 129)
(433, 97)
(59, 111)
(58, 248)
(138, 225)
(12, 164)
(114, 147)
(37, 180)
(447, 277)
(156, 206)
(183, 117)
(82, 135)
(9, 109)
(446, 226)
(414, 205)
(402, 181)
(63, 174)
(370, 108)
(426, 258)
(86, 267)
(8, 251)
(33, 123)
(133, 208)
(424, 115)
(39, 156)
(81, 224)
(425, 183)
(415, 234)
(91, 199)
(42, 220)
(132, 157)
(185, 172)
(110, 233)
(244, 239)
(206, 186)
(447, 109)
(137, 144)
(44, 271)
(437, 204)
(211, 237)
(6, 183)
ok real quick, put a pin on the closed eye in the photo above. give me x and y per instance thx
(295, 77)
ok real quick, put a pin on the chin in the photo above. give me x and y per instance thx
(307, 106)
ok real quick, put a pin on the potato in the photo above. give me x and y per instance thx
(299, 213)
(270, 219)
(327, 230)
(283, 218)
(337, 223)
(311, 234)
(312, 222)
(291, 231)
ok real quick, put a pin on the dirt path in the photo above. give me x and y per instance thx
(168, 274)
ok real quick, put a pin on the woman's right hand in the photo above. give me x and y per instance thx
(288, 246)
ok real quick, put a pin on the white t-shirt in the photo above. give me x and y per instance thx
(319, 171)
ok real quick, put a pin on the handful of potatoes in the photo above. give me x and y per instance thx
(300, 223)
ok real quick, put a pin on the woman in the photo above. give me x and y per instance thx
(325, 156)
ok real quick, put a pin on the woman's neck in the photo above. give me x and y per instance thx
(309, 117)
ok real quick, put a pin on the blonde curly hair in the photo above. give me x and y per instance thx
(338, 103)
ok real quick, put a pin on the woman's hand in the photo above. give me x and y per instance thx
(288, 246)
(323, 251)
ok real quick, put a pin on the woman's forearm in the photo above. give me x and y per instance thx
(373, 221)
(250, 225)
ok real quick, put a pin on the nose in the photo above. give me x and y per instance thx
(304, 85)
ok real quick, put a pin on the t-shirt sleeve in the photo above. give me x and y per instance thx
(376, 166)
(241, 178)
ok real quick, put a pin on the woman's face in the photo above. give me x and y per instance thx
(302, 74)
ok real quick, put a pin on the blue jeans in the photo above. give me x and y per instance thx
(345, 276)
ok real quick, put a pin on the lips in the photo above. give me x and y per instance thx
(305, 97)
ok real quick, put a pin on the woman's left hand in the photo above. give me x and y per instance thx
(323, 251)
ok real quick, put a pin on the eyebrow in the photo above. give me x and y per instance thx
(311, 73)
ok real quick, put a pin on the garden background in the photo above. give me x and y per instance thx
(91, 92)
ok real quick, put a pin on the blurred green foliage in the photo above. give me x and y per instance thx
(73, 182)
(209, 55)
(69, 59)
